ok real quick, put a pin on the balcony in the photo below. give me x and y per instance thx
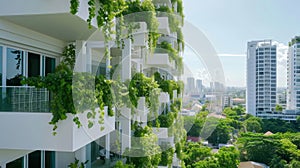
(140, 35)
(163, 135)
(160, 60)
(25, 117)
(163, 26)
(52, 18)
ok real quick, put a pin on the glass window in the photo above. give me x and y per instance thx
(15, 163)
(34, 159)
(49, 159)
(1, 66)
(49, 65)
(14, 67)
(34, 61)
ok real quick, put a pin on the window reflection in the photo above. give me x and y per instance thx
(34, 64)
(1, 66)
(14, 67)
(50, 65)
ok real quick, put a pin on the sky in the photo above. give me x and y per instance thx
(230, 24)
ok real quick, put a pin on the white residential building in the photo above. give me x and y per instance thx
(293, 72)
(33, 36)
(261, 77)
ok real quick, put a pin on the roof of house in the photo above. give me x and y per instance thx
(268, 133)
(251, 164)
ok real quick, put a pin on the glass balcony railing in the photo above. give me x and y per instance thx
(24, 99)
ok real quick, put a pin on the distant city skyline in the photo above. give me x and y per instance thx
(230, 24)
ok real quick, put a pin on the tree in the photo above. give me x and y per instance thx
(221, 134)
(294, 164)
(228, 157)
(278, 108)
(195, 152)
(253, 124)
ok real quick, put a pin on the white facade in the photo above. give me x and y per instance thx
(261, 77)
(293, 80)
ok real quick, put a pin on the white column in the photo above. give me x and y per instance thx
(125, 117)
(80, 154)
(4, 58)
(3, 166)
(142, 111)
(107, 146)
(82, 56)
(126, 60)
(125, 125)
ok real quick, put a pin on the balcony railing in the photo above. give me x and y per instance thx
(23, 99)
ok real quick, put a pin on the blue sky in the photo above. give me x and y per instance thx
(229, 24)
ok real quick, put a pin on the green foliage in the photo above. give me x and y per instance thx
(74, 6)
(59, 84)
(104, 93)
(146, 147)
(278, 108)
(253, 124)
(120, 164)
(143, 12)
(141, 86)
(277, 125)
(228, 157)
(169, 85)
(274, 150)
(167, 155)
(198, 156)
(166, 120)
(195, 152)
(221, 133)
(194, 125)
(68, 56)
(76, 164)
(294, 41)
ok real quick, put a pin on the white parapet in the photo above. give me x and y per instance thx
(163, 137)
(164, 97)
(140, 35)
(141, 112)
(160, 60)
(163, 25)
(32, 131)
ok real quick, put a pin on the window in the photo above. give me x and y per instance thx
(15, 163)
(34, 66)
(1, 66)
(14, 67)
(49, 65)
(49, 159)
(34, 159)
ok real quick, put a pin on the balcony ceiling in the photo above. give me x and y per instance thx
(62, 26)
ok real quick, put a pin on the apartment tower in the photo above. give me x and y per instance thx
(261, 77)
(293, 75)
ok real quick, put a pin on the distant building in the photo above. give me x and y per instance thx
(190, 87)
(293, 78)
(227, 100)
(261, 77)
(199, 86)
(281, 99)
